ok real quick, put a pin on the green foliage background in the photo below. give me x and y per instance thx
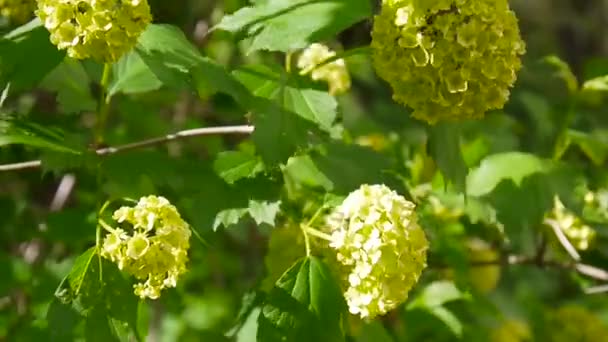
(221, 63)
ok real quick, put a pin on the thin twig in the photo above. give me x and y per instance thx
(64, 189)
(582, 269)
(242, 129)
(563, 240)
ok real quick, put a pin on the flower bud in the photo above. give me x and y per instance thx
(334, 73)
(155, 247)
(100, 29)
(17, 11)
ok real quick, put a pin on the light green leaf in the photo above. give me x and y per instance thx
(594, 145)
(311, 104)
(229, 217)
(444, 145)
(564, 72)
(131, 75)
(284, 25)
(494, 169)
(264, 212)
(437, 294)
(301, 171)
(306, 304)
(72, 85)
(596, 84)
(235, 165)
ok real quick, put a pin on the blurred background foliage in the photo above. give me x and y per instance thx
(553, 114)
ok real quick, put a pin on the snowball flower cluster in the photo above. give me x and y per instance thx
(380, 248)
(334, 73)
(100, 29)
(154, 248)
(447, 59)
(579, 234)
(17, 11)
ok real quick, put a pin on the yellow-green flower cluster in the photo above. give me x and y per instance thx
(17, 11)
(100, 29)
(334, 73)
(578, 233)
(511, 330)
(380, 247)
(154, 249)
(575, 323)
(596, 205)
(447, 59)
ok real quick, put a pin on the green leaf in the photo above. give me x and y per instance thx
(228, 217)
(98, 328)
(84, 279)
(564, 72)
(17, 131)
(596, 84)
(436, 294)
(594, 145)
(494, 169)
(301, 171)
(72, 84)
(235, 165)
(168, 54)
(349, 166)
(311, 104)
(131, 75)
(450, 320)
(20, 52)
(306, 304)
(62, 319)
(264, 212)
(284, 25)
(278, 133)
(444, 145)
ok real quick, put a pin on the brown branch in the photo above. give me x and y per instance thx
(243, 129)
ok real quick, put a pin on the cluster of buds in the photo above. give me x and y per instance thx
(100, 29)
(447, 59)
(380, 249)
(17, 11)
(575, 323)
(578, 233)
(334, 73)
(154, 248)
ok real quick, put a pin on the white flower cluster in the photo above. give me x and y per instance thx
(334, 73)
(579, 234)
(380, 247)
(154, 250)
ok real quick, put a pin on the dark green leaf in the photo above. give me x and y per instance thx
(311, 104)
(17, 131)
(98, 328)
(20, 56)
(131, 75)
(305, 305)
(72, 84)
(62, 319)
(349, 166)
(284, 25)
(444, 146)
(278, 133)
